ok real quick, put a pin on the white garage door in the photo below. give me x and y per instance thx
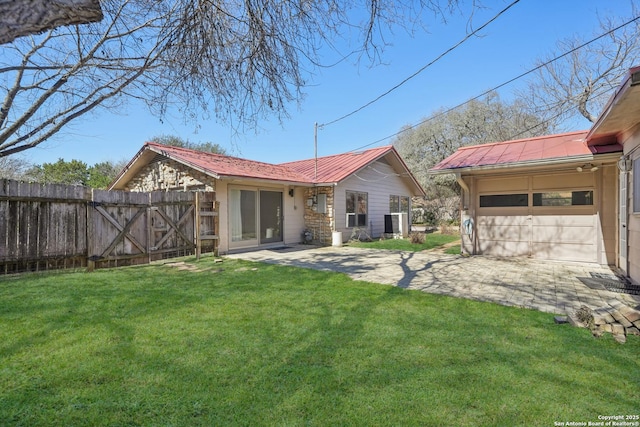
(556, 224)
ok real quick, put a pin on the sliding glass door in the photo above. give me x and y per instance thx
(270, 216)
(242, 217)
(255, 217)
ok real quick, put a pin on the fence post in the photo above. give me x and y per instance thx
(198, 237)
(91, 264)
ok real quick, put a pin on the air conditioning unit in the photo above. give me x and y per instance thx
(397, 225)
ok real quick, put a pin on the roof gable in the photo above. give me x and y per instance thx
(335, 168)
(620, 114)
(566, 146)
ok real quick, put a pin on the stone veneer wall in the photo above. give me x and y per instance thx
(320, 225)
(167, 174)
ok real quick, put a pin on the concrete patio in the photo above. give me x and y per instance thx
(552, 287)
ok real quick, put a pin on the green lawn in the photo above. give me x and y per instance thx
(432, 240)
(249, 344)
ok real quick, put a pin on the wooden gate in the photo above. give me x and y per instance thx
(136, 228)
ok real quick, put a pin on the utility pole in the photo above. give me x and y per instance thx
(315, 147)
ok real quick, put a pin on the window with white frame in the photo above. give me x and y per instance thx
(357, 206)
(398, 204)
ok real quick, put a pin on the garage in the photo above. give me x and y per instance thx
(550, 198)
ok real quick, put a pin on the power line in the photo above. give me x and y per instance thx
(451, 49)
(502, 85)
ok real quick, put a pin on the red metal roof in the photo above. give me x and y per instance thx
(335, 168)
(222, 165)
(560, 146)
(331, 169)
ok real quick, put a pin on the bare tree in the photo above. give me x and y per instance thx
(437, 137)
(580, 82)
(476, 122)
(21, 18)
(239, 61)
(13, 167)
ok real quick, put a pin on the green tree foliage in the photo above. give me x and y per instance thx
(103, 173)
(477, 122)
(176, 141)
(75, 172)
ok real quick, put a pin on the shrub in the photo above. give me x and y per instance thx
(448, 228)
(416, 238)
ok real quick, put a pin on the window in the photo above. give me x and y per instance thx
(356, 209)
(398, 204)
(504, 200)
(563, 198)
(636, 185)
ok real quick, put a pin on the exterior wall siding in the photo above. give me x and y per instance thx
(632, 149)
(294, 208)
(608, 218)
(379, 180)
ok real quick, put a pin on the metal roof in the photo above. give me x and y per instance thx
(335, 168)
(330, 169)
(565, 146)
(219, 165)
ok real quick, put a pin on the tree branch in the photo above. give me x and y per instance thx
(20, 18)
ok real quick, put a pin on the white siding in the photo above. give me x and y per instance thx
(379, 181)
(293, 215)
(632, 148)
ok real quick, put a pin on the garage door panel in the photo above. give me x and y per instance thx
(559, 221)
(558, 237)
(563, 220)
(564, 251)
(503, 248)
(563, 234)
(516, 233)
(502, 221)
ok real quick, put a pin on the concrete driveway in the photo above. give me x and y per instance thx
(551, 287)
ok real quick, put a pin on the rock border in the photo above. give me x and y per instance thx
(617, 319)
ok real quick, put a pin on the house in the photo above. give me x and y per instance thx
(266, 205)
(569, 197)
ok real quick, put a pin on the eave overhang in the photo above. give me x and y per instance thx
(621, 113)
(535, 165)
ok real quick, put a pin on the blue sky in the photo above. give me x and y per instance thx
(507, 48)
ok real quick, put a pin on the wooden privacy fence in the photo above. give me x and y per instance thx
(55, 226)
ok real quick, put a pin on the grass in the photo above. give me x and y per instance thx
(239, 343)
(453, 250)
(431, 241)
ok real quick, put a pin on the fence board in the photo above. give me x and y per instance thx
(60, 226)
